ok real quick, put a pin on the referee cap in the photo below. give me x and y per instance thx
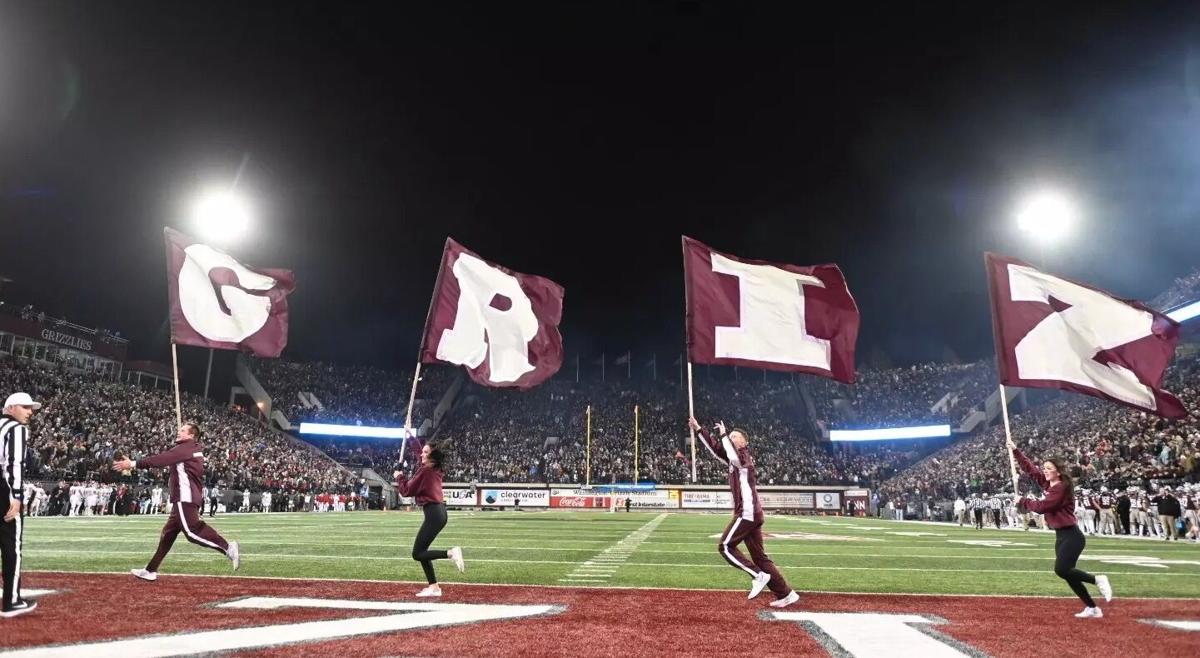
(21, 400)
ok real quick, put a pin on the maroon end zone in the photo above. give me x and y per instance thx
(586, 622)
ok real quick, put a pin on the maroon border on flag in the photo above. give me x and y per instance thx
(546, 297)
(712, 300)
(268, 341)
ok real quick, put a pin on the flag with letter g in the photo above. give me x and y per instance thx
(1054, 333)
(501, 325)
(775, 316)
(220, 303)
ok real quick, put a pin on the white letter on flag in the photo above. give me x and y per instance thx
(508, 331)
(772, 317)
(1062, 346)
(198, 300)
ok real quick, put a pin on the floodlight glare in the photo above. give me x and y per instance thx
(1047, 216)
(221, 216)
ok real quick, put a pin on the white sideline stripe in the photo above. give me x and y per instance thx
(657, 565)
(609, 587)
(1183, 625)
(411, 615)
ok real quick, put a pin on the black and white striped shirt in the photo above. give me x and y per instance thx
(13, 437)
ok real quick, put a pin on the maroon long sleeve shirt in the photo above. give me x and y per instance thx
(1057, 505)
(425, 485)
(186, 461)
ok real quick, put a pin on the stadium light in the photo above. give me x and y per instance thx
(1047, 216)
(890, 433)
(221, 216)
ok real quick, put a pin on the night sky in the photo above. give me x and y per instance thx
(579, 140)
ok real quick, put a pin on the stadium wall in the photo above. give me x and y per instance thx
(817, 500)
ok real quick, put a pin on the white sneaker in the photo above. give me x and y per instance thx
(1090, 613)
(760, 581)
(432, 590)
(234, 554)
(1105, 588)
(145, 575)
(786, 601)
(21, 607)
(457, 558)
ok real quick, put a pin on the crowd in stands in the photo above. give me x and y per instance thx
(1186, 289)
(1101, 443)
(347, 394)
(541, 436)
(924, 394)
(86, 422)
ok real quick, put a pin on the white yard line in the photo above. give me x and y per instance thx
(615, 555)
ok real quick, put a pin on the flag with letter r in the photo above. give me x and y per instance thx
(501, 325)
(775, 316)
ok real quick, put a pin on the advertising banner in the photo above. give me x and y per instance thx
(506, 497)
(706, 500)
(787, 499)
(459, 496)
(830, 500)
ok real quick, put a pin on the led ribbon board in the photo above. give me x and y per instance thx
(356, 430)
(918, 432)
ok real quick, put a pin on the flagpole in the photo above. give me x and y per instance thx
(691, 414)
(680, 371)
(629, 365)
(1012, 462)
(208, 373)
(654, 367)
(412, 396)
(588, 458)
(577, 367)
(175, 369)
(603, 365)
(635, 444)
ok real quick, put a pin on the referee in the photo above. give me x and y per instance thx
(14, 434)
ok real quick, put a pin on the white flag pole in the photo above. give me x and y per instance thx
(175, 369)
(412, 397)
(1012, 462)
(691, 414)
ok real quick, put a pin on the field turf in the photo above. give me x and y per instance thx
(637, 550)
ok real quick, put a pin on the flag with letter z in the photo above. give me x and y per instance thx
(1051, 332)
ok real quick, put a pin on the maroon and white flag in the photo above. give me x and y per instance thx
(220, 303)
(775, 316)
(1054, 333)
(501, 325)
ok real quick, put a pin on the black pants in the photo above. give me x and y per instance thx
(979, 518)
(10, 556)
(435, 520)
(1068, 544)
(212, 506)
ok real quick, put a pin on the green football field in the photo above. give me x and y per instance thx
(642, 549)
